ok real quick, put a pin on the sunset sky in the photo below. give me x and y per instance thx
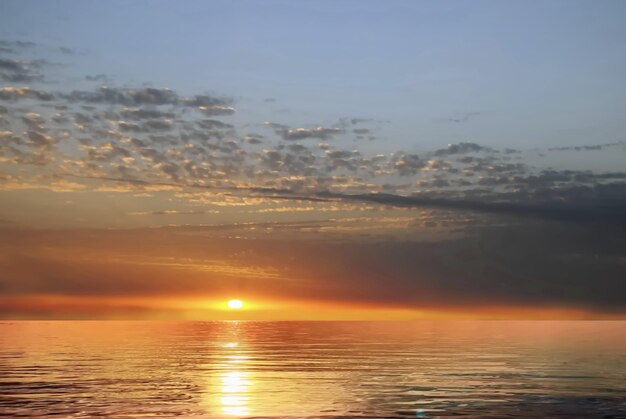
(317, 160)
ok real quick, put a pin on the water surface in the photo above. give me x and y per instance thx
(426, 369)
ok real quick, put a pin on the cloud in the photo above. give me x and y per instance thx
(213, 124)
(126, 97)
(98, 77)
(176, 212)
(461, 117)
(14, 47)
(592, 147)
(15, 93)
(150, 125)
(275, 126)
(304, 133)
(408, 164)
(148, 133)
(485, 268)
(67, 51)
(140, 113)
(38, 139)
(145, 134)
(287, 133)
(206, 101)
(461, 148)
(355, 121)
(216, 110)
(21, 71)
(253, 139)
(601, 206)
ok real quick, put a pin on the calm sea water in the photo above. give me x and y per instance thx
(313, 369)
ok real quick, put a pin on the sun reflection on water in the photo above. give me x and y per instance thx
(234, 393)
(229, 387)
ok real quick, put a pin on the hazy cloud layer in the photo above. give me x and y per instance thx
(487, 267)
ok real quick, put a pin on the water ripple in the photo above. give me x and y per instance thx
(313, 369)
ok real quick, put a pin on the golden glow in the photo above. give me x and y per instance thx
(235, 304)
(261, 308)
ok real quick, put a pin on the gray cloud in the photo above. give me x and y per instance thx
(67, 51)
(140, 113)
(592, 147)
(21, 71)
(213, 124)
(216, 110)
(461, 148)
(461, 117)
(14, 47)
(603, 204)
(408, 164)
(287, 133)
(98, 77)
(127, 97)
(304, 133)
(150, 125)
(206, 100)
(253, 138)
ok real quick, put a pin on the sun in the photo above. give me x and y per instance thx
(235, 304)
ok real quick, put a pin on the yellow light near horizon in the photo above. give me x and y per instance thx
(235, 304)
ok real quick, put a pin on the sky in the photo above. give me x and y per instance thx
(349, 160)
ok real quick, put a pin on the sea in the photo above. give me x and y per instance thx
(326, 369)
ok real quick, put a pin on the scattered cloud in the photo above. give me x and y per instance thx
(98, 77)
(176, 212)
(216, 110)
(304, 133)
(461, 148)
(591, 147)
(461, 117)
(16, 93)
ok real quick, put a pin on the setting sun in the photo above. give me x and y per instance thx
(235, 304)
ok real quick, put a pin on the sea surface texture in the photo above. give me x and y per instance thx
(425, 369)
